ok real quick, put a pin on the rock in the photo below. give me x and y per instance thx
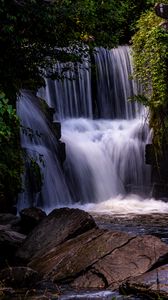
(153, 283)
(164, 25)
(57, 129)
(30, 218)
(99, 258)
(46, 285)
(61, 152)
(149, 154)
(161, 10)
(45, 109)
(10, 238)
(9, 219)
(10, 241)
(132, 259)
(19, 277)
(75, 255)
(160, 190)
(60, 225)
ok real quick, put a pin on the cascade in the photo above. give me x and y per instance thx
(71, 96)
(114, 88)
(41, 146)
(104, 156)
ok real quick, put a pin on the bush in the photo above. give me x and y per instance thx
(11, 165)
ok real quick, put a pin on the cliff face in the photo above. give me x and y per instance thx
(159, 160)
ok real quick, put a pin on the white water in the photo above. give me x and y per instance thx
(130, 204)
(105, 158)
(108, 156)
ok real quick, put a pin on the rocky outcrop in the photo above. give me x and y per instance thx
(67, 247)
(131, 258)
(99, 258)
(154, 283)
(60, 225)
(67, 261)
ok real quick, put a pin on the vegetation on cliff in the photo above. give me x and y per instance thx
(150, 55)
(10, 154)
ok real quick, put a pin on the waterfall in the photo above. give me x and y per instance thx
(105, 158)
(114, 86)
(41, 147)
(105, 155)
(71, 96)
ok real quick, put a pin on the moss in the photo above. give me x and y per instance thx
(150, 56)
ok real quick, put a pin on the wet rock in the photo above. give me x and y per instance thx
(99, 259)
(60, 225)
(61, 152)
(57, 129)
(46, 285)
(30, 218)
(74, 256)
(45, 108)
(19, 277)
(132, 259)
(154, 283)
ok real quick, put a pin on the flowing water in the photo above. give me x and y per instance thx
(40, 146)
(105, 137)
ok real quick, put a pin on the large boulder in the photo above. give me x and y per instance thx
(76, 255)
(134, 258)
(99, 258)
(60, 225)
(153, 283)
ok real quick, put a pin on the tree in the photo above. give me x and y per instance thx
(33, 32)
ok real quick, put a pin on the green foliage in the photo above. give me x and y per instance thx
(33, 32)
(150, 56)
(10, 154)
